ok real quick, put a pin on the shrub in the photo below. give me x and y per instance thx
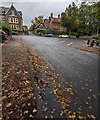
(55, 32)
(6, 28)
(41, 31)
(96, 37)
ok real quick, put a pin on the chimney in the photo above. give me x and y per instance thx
(51, 15)
(49, 19)
(59, 16)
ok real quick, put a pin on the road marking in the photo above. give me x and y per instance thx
(70, 44)
(85, 41)
(62, 41)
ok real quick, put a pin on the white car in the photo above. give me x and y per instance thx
(63, 36)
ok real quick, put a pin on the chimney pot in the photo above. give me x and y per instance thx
(59, 16)
(51, 15)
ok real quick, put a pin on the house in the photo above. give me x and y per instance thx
(25, 30)
(40, 26)
(12, 17)
(53, 23)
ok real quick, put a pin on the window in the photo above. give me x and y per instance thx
(11, 19)
(17, 27)
(12, 12)
(16, 20)
(12, 27)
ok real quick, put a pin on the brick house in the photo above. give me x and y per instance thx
(25, 30)
(12, 17)
(53, 23)
(40, 26)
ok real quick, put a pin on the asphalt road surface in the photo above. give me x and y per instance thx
(78, 69)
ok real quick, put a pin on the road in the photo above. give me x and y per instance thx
(78, 69)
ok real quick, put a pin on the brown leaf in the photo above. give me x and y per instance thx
(8, 105)
(4, 97)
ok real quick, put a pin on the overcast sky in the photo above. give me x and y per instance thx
(33, 9)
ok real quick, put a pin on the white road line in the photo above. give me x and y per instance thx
(62, 41)
(70, 44)
(85, 41)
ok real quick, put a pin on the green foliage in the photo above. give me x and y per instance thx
(36, 21)
(16, 30)
(96, 37)
(41, 31)
(6, 28)
(52, 32)
(85, 19)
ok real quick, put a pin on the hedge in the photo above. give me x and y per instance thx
(6, 28)
(52, 32)
(96, 36)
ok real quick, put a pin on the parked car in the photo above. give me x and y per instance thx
(63, 36)
(14, 33)
(3, 36)
(49, 35)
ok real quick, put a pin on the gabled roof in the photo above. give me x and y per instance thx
(18, 12)
(7, 9)
(3, 9)
(39, 25)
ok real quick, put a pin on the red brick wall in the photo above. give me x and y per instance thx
(54, 26)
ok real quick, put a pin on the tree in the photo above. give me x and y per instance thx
(69, 18)
(36, 21)
(85, 19)
(89, 17)
(6, 28)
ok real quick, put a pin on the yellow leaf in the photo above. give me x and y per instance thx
(4, 97)
(8, 105)
(72, 116)
(34, 111)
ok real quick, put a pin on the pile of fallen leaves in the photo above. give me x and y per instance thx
(18, 100)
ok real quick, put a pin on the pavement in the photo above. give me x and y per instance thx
(25, 90)
(18, 99)
(46, 78)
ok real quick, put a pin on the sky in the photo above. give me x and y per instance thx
(30, 10)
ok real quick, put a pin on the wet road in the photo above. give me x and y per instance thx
(78, 69)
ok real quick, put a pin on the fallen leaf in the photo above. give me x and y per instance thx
(25, 112)
(46, 117)
(4, 97)
(31, 116)
(72, 116)
(93, 117)
(34, 111)
(8, 105)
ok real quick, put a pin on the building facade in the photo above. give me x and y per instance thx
(12, 17)
(53, 23)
